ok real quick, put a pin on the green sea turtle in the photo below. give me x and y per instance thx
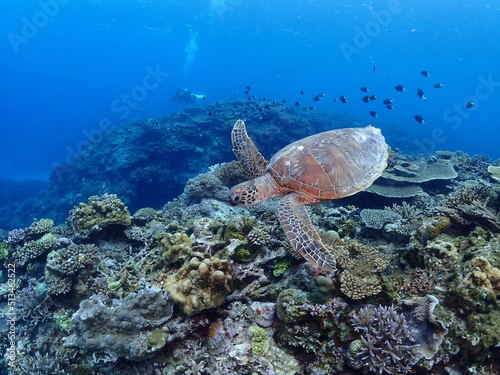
(329, 165)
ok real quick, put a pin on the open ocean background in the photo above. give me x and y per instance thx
(65, 66)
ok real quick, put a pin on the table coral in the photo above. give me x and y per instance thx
(201, 283)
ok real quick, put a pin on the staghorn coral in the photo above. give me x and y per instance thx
(407, 211)
(387, 343)
(201, 283)
(99, 212)
(469, 205)
(52, 362)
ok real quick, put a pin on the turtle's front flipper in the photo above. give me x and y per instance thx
(300, 232)
(249, 157)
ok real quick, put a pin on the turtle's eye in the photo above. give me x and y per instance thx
(234, 199)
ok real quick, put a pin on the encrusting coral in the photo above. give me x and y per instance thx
(122, 328)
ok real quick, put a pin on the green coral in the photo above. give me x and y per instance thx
(260, 340)
(432, 227)
(4, 250)
(281, 267)
(157, 339)
(244, 254)
(99, 212)
(486, 329)
(63, 322)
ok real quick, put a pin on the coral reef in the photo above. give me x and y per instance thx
(200, 287)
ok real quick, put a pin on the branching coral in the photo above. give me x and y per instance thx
(387, 341)
(469, 205)
(407, 211)
(99, 212)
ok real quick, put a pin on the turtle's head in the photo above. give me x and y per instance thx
(254, 191)
(244, 194)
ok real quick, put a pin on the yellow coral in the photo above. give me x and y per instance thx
(201, 283)
(483, 275)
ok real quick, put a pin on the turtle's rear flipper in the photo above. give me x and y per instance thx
(249, 157)
(300, 232)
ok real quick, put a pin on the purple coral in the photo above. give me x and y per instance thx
(388, 342)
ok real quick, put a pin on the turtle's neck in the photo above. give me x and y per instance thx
(268, 188)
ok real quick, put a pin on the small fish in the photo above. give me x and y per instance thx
(373, 114)
(425, 73)
(316, 98)
(366, 99)
(302, 92)
(373, 97)
(267, 106)
(365, 89)
(311, 108)
(297, 104)
(283, 101)
(400, 88)
(469, 105)
(210, 113)
(419, 119)
(421, 94)
(343, 99)
(387, 101)
(438, 85)
(249, 88)
(389, 106)
(374, 69)
(247, 92)
(335, 100)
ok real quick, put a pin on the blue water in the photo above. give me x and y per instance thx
(67, 67)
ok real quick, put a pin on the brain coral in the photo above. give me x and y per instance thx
(201, 283)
